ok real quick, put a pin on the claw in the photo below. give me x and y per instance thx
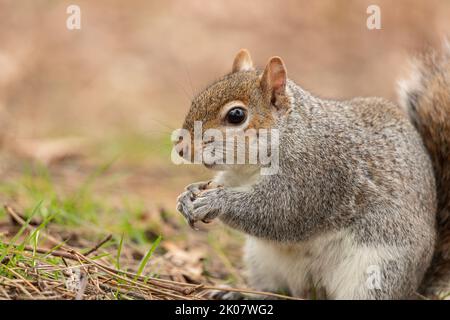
(192, 223)
(191, 201)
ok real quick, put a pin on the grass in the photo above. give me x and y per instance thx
(30, 271)
(24, 259)
(147, 257)
(77, 208)
(79, 229)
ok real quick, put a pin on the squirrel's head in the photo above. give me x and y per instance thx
(242, 101)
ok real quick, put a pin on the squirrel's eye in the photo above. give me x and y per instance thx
(236, 115)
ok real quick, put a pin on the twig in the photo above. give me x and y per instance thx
(163, 283)
(132, 294)
(163, 287)
(60, 254)
(255, 292)
(5, 293)
(22, 278)
(115, 274)
(99, 245)
(16, 285)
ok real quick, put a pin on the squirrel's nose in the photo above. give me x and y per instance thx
(179, 147)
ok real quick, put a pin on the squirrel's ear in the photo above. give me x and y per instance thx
(273, 80)
(242, 61)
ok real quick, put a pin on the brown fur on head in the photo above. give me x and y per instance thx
(261, 94)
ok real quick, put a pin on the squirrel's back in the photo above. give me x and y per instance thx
(426, 98)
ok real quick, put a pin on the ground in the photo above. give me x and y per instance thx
(77, 202)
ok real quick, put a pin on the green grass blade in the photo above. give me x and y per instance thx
(20, 232)
(147, 257)
(119, 252)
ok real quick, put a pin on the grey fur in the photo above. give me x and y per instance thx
(356, 165)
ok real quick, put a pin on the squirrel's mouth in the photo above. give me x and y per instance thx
(213, 166)
(216, 166)
(210, 165)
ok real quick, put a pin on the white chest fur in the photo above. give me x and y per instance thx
(331, 263)
(241, 177)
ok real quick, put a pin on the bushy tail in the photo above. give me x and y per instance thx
(426, 97)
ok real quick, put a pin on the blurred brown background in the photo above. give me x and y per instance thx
(124, 81)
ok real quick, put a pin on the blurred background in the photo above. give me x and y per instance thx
(94, 108)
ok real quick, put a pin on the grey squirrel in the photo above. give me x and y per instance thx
(363, 188)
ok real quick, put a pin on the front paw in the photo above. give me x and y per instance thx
(207, 205)
(197, 204)
(184, 201)
(186, 207)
